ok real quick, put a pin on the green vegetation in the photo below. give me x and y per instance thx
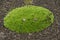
(28, 19)
(27, 2)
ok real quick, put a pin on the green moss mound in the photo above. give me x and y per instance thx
(28, 19)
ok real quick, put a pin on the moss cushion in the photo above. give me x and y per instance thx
(28, 19)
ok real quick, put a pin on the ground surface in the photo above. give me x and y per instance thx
(51, 33)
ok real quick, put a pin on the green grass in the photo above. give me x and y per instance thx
(28, 19)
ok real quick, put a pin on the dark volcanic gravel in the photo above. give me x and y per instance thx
(50, 33)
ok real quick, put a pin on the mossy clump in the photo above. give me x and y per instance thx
(28, 19)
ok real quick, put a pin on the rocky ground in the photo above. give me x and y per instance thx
(50, 33)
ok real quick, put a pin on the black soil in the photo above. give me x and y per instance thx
(50, 33)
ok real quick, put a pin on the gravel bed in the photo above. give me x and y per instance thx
(50, 33)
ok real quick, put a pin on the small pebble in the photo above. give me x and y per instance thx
(30, 33)
(2, 35)
(35, 19)
(0, 21)
(14, 35)
(24, 20)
